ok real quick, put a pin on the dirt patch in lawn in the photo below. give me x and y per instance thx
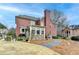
(23, 48)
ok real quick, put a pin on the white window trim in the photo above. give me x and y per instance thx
(21, 30)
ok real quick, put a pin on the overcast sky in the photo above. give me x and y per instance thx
(9, 11)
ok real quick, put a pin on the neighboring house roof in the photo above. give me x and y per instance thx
(28, 17)
(66, 29)
(74, 27)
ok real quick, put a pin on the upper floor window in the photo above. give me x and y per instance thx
(37, 22)
(32, 22)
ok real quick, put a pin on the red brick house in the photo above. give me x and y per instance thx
(35, 27)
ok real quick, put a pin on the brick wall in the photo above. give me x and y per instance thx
(21, 22)
(50, 28)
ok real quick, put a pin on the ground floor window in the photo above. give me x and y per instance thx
(33, 31)
(42, 32)
(23, 30)
(38, 31)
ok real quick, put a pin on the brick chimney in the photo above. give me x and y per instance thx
(50, 28)
(47, 16)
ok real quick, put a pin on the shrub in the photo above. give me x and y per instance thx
(19, 39)
(75, 38)
(11, 32)
(8, 38)
(57, 37)
(22, 39)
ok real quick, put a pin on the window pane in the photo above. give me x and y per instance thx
(38, 31)
(22, 30)
(42, 32)
(33, 31)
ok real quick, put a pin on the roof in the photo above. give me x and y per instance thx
(28, 17)
(74, 26)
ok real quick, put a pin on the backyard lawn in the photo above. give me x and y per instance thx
(40, 47)
(23, 48)
(67, 47)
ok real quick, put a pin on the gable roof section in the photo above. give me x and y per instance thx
(28, 17)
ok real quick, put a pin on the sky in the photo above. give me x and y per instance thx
(8, 11)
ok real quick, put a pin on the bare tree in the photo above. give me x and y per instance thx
(59, 19)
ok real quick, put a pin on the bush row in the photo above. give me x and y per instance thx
(76, 38)
(58, 37)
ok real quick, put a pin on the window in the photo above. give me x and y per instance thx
(23, 30)
(32, 22)
(37, 22)
(38, 31)
(42, 32)
(33, 31)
